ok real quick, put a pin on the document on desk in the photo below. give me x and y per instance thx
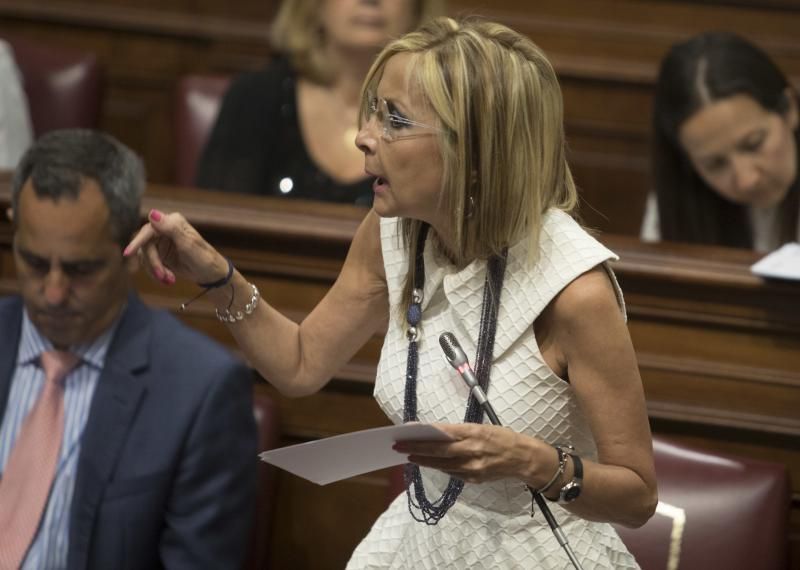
(783, 263)
(327, 460)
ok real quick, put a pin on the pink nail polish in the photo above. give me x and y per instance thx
(159, 274)
(125, 252)
(155, 215)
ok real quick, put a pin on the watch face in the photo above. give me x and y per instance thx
(572, 493)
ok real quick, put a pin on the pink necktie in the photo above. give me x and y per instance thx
(29, 473)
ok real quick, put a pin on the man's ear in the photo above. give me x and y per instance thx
(10, 214)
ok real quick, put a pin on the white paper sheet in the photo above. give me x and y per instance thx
(334, 458)
(783, 263)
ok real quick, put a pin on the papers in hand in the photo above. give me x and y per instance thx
(332, 459)
(783, 263)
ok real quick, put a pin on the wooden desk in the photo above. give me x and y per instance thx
(719, 349)
(606, 54)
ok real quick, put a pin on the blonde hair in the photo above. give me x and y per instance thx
(297, 32)
(500, 111)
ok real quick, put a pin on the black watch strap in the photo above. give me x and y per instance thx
(577, 467)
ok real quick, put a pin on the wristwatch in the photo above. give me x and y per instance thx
(572, 489)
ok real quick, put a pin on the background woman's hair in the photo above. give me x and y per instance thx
(706, 68)
(500, 110)
(298, 34)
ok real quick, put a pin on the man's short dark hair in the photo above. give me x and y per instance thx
(59, 162)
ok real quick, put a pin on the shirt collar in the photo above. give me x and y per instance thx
(33, 343)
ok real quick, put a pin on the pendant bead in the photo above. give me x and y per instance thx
(414, 314)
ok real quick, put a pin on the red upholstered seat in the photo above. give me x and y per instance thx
(197, 102)
(64, 87)
(267, 423)
(715, 511)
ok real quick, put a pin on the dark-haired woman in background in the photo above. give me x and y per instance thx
(288, 130)
(725, 147)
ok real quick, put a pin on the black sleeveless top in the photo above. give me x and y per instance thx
(256, 146)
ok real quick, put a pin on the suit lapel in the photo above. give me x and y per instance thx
(119, 391)
(10, 327)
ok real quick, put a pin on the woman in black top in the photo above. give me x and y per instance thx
(289, 129)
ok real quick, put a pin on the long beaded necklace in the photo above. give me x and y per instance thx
(420, 507)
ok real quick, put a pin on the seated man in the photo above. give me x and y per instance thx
(127, 440)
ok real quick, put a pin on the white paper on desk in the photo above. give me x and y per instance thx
(783, 263)
(334, 458)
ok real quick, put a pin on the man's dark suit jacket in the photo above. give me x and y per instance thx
(167, 470)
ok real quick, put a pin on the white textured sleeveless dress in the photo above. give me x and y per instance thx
(490, 525)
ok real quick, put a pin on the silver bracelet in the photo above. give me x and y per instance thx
(226, 316)
(562, 465)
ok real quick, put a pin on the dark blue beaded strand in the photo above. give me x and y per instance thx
(420, 507)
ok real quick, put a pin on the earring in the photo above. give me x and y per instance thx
(473, 188)
(470, 207)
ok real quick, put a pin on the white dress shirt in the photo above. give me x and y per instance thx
(764, 222)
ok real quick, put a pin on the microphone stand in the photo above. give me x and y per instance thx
(537, 496)
(455, 356)
(557, 532)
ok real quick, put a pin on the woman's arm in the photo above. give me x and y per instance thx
(590, 332)
(298, 359)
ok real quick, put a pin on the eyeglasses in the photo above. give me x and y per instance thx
(394, 125)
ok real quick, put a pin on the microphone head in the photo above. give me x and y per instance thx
(452, 350)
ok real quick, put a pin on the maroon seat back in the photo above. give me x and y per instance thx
(715, 511)
(197, 102)
(64, 87)
(267, 423)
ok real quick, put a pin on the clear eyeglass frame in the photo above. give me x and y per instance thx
(392, 124)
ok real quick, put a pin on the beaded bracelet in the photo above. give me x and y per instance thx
(226, 316)
(219, 282)
(209, 286)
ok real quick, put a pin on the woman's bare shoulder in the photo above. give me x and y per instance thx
(587, 294)
(364, 264)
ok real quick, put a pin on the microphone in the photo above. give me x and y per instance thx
(458, 360)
